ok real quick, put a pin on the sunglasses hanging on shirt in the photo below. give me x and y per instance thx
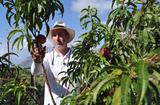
(66, 64)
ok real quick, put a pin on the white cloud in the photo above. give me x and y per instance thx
(101, 5)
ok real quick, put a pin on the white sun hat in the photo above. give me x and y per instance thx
(62, 25)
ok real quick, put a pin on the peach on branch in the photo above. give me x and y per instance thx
(40, 39)
(105, 52)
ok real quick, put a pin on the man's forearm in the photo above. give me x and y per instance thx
(36, 68)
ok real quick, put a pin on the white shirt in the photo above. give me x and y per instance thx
(53, 65)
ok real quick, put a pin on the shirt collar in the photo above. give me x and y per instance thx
(56, 54)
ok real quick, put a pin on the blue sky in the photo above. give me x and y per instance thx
(71, 18)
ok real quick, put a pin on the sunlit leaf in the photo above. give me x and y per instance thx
(100, 86)
(125, 94)
(13, 32)
(117, 96)
(141, 69)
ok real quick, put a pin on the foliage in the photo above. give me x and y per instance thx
(19, 91)
(5, 66)
(15, 87)
(131, 75)
(28, 17)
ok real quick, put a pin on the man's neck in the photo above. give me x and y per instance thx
(63, 51)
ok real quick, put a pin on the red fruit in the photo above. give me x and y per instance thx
(40, 39)
(105, 52)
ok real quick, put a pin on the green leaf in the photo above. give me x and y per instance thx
(12, 33)
(136, 17)
(141, 68)
(34, 18)
(88, 100)
(65, 100)
(8, 54)
(9, 15)
(47, 28)
(60, 7)
(85, 70)
(112, 15)
(9, 90)
(156, 80)
(18, 97)
(117, 97)
(97, 81)
(116, 71)
(39, 26)
(26, 28)
(101, 85)
(33, 88)
(125, 87)
(17, 41)
(29, 7)
(17, 18)
(145, 37)
(39, 8)
(113, 2)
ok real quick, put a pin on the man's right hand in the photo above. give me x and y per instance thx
(38, 54)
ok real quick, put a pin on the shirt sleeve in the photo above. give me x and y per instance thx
(37, 69)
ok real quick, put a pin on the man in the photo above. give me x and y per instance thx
(54, 62)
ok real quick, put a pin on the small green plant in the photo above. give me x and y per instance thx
(13, 87)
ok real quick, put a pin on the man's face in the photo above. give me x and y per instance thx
(60, 37)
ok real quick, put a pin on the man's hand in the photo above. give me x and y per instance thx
(38, 54)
